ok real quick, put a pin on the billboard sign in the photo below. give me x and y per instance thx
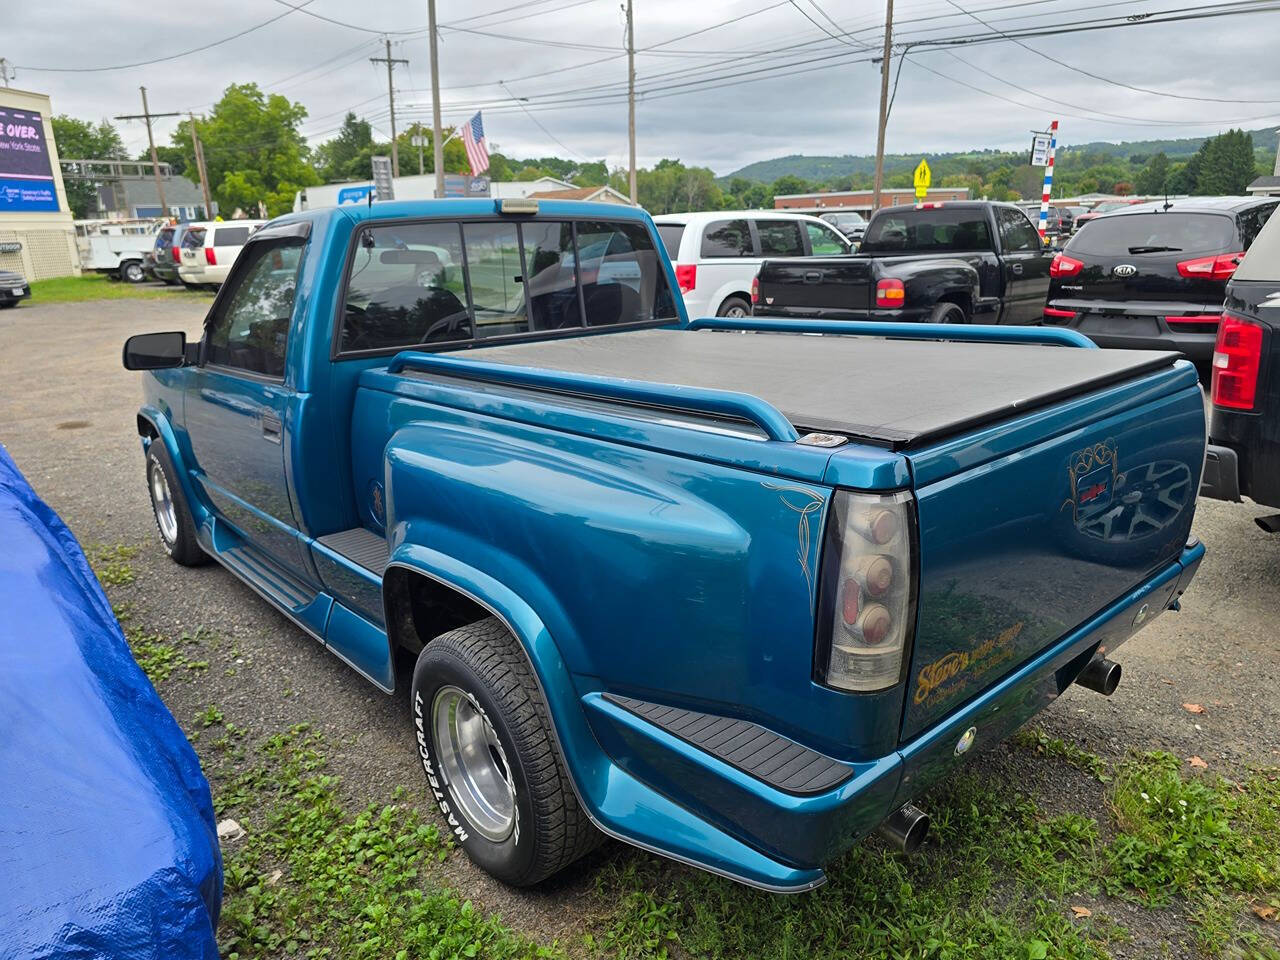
(26, 176)
(1040, 150)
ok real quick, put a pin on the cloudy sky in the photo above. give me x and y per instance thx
(721, 83)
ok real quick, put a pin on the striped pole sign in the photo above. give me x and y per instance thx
(1048, 179)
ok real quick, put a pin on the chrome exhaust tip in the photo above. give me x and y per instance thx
(905, 828)
(1101, 676)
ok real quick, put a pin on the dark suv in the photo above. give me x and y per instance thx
(1153, 275)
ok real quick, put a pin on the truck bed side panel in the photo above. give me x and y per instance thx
(1020, 550)
(634, 559)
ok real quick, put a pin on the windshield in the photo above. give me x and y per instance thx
(1138, 233)
(937, 229)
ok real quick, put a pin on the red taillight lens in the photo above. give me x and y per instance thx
(1237, 358)
(755, 290)
(177, 255)
(890, 293)
(1194, 318)
(209, 257)
(1064, 266)
(686, 276)
(1211, 268)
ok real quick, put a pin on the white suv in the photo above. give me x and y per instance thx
(209, 249)
(717, 254)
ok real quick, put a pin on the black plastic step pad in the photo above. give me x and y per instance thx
(765, 755)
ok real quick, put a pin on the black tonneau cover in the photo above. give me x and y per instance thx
(899, 393)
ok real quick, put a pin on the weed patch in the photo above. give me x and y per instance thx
(111, 564)
(312, 881)
(1037, 741)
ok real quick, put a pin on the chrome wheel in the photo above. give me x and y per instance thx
(162, 501)
(735, 311)
(473, 763)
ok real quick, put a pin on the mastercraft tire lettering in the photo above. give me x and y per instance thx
(487, 751)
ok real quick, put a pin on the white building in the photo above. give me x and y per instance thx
(37, 236)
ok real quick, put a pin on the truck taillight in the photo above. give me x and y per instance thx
(1211, 268)
(1237, 358)
(686, 276)
(890, 293)
(1064, 266)
(177, 255)
(866, 606)
(209, 257)
(755, 289)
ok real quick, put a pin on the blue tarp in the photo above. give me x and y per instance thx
(108, 844)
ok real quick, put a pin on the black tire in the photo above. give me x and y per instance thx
(734, 307)
(131, 271)
(550, 831)
(948, 313)
(183, 547)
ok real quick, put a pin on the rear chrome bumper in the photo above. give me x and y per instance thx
(747, 828)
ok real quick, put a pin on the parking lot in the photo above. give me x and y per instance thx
(1200, 683)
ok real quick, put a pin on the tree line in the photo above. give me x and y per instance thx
(255, 152)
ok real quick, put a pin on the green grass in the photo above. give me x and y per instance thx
(159, 657)
(112, 566)
(997, 880)
(94, 286)
(311, 879)
(1037, 741)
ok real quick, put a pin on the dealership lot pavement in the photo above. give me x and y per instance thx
(67, 417)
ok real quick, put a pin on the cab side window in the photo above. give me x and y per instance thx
(1016, 233)
(825, 242)
(250, 329)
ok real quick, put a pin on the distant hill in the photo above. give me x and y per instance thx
(826, 168)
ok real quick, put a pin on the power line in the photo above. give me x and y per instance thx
(349, 26)
(1117, 83)
(833, 36)
(539, 125)
(174, 56)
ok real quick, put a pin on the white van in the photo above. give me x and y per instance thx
(717, 254)
(210, 248)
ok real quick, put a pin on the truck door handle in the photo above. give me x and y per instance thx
(1015, 268)
(271, 427)
(813, 276)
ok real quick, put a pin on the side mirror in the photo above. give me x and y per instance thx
(155, 351)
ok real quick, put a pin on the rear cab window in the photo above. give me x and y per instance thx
(940, 229)
(726, 238)
(1133, 234)
(443, 282)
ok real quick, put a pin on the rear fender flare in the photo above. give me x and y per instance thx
(928, 281)
(582, 756)
(159, 423)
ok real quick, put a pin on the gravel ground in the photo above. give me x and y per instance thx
(67, 417)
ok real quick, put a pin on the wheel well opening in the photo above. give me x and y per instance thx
(420, 608)
(962, 300)
(146, 428)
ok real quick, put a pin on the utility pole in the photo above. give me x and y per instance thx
(884, 103)
(148, 116)
(204, 174)
(631, 100)
(391, 101)
(437, 144)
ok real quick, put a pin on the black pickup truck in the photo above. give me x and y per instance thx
(1243, 459)
(937, 262)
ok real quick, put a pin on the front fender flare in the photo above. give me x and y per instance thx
(200, 514)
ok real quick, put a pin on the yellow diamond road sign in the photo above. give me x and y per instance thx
(923, 177)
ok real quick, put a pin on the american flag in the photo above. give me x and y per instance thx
(477, 152)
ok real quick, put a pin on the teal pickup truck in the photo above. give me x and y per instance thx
(734, 591)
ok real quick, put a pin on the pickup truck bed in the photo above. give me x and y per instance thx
(852, 386)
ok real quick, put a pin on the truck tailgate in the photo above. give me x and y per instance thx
(814, 284)
(1042, 533)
